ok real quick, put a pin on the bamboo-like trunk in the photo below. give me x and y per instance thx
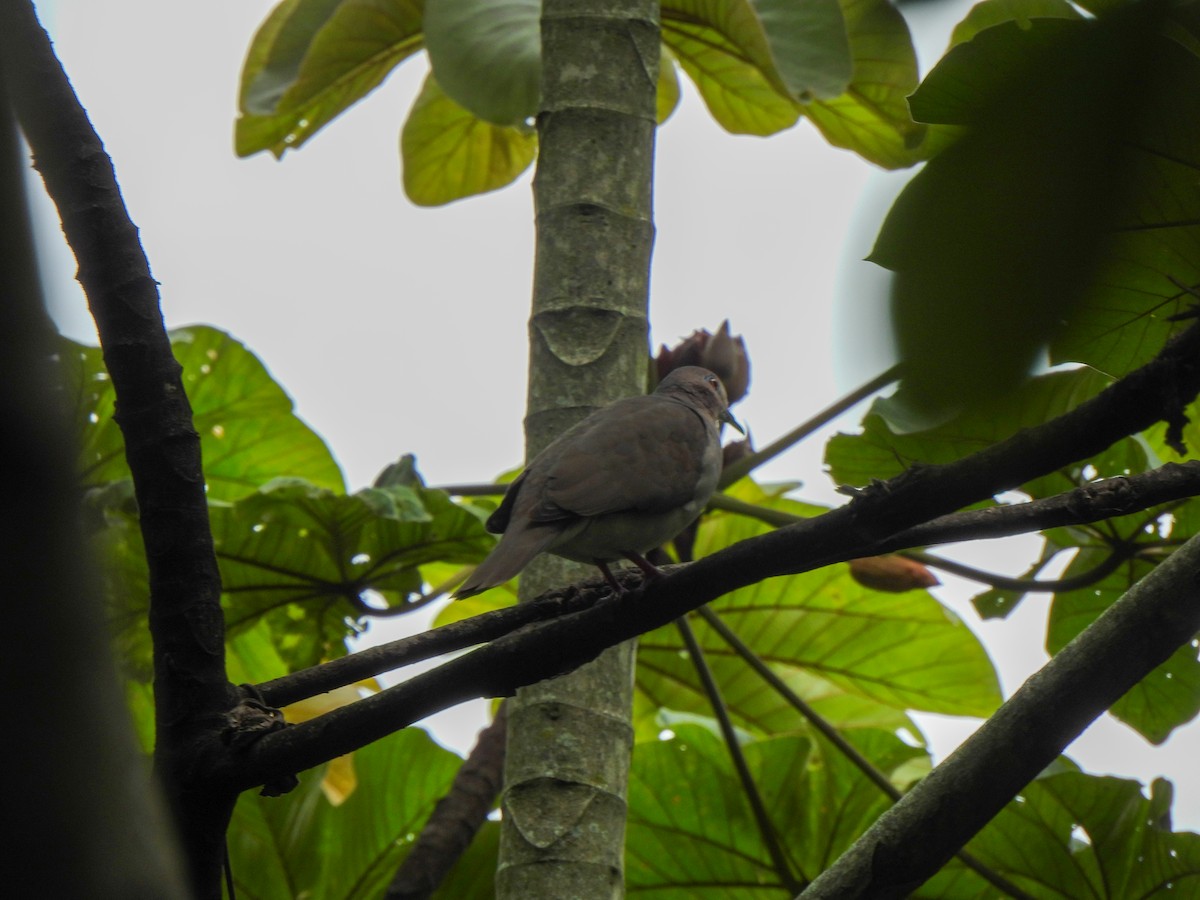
(569, 739)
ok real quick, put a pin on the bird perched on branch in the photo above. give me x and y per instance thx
(626, 479)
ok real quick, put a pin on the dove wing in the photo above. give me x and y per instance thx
(644, 453)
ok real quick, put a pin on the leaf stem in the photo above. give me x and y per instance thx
(746, 465)
(766, 828)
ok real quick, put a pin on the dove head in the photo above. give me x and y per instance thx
(699, 388)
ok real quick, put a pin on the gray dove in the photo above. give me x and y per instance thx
(626, 479)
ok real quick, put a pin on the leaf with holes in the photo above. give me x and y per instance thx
(1070, 834)
(249, 432)
(1166, 698)
(312, 59)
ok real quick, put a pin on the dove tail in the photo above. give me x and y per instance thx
(514, 552)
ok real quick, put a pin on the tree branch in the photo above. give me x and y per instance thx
(162, 446)
(415, 648)
(1137, 633)
(1116, 558)
(84, 819)
(748, 464)
(544, 649)
(549, 648)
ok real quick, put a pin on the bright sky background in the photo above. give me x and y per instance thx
(403, 330)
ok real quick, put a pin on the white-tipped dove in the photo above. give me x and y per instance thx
(626, 479)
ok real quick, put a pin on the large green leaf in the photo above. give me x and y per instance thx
(309, 559)
(736, 49)
(449, 153)
(486, 55)
(300, 845)
(829, 637)
(248, 430)
(1083, 837)
(809, 46)
(691, 832)
(1003, 246)
(721, 47)
(277, 51)
(311, 60)
(881, 452)
(1152, 260)
(249, 433)
(871, 116)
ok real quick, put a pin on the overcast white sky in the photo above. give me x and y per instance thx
(398, 329)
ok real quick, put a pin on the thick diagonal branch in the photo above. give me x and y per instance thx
(1137, 633)
(162, 446)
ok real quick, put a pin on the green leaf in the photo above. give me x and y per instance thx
(300, 845)
(306, 557)
(666, 97)
(881, 452)
(252, 657)
(1077, 835)
(1156, 437)
(312, 60)
(871, 117)
(990, 13)
(1150, 267)
(249, 433)
(277, 50)
(486, 55)
(752, 60)
(722, 48)
(844, 648)
(449, 154)
(808, 44)
(996, 239)
(80, 377)
(1166, 698)
(692, 833)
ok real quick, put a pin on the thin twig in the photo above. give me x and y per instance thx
(415, 648)
(762, 818)
(748, 464)
(1117, 557)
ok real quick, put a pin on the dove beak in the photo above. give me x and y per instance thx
(728, 418)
